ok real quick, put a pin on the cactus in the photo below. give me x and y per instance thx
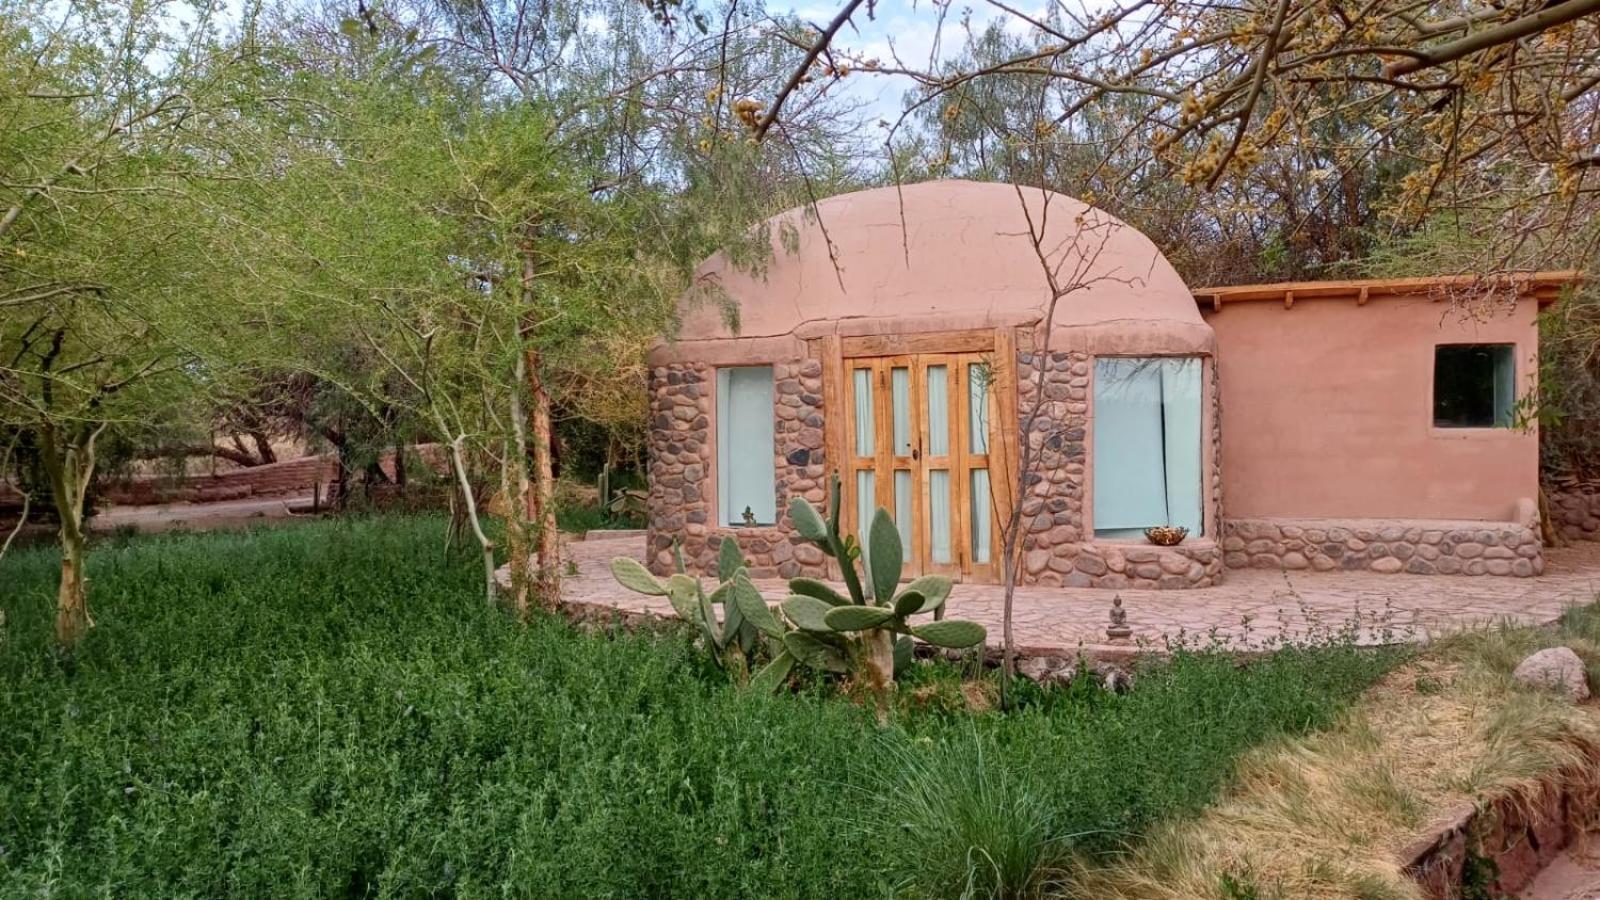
(731, 639)
(872, 625)
(867, 631)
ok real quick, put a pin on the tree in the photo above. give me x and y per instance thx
(502, 218)
(1290, 112)
(116, 128)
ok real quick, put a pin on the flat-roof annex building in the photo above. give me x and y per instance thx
(905, 339)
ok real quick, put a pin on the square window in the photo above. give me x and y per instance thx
(1474, 385)
(747, 492)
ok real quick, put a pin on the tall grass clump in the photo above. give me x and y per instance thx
(330, 709)
(963, 821)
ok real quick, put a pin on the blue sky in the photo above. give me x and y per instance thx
(909, 28)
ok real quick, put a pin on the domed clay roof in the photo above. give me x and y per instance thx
(948, 255)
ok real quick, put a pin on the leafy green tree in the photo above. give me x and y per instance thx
(116, 128)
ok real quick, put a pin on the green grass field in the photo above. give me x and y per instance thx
(331, 710)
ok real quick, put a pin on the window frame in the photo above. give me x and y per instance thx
(1204, 399)
(1509, 413)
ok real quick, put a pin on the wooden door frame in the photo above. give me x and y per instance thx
(835, 352)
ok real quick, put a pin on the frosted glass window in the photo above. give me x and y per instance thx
(902, 510)
(745, 462)
(978, 408)
(1474, 385)
(900, 392)
(863, 404)
(938, 410)
(1147, 414)
(939, 514)
(981, 502)
(866, 500)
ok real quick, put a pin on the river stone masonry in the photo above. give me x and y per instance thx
(1052, 497)
(1575, 509)
(1414, 547)
(682, 490)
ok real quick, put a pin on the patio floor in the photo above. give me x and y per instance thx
(1255, 609)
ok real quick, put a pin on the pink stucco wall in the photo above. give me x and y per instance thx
(1327, 411)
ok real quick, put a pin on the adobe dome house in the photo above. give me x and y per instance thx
(1323, 425)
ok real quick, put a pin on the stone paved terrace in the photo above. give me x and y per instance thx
(1253, 609)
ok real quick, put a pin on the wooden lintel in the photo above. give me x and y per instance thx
(977, 340)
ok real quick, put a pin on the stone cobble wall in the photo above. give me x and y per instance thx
(1575, 509)
(682, 494)
(1192, 564)
(1418, 548)
(1052, 499)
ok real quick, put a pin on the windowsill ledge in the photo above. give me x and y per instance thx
(1486, 433)
(1193, 543)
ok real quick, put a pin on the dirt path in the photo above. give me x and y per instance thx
(200, 516)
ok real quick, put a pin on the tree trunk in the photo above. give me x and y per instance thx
(69, 461)
(469, 501)
(72, 598)
(516, 488)
(263, 448)
(542, 511)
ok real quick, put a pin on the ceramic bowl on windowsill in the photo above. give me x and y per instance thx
(1166, 535)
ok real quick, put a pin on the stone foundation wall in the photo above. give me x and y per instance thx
(1191, 564)
(682, 499)
(1415, 547)
(1575, 509)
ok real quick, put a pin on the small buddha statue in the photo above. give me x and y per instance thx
(1118, 630)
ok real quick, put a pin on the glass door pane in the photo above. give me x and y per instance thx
(978, 407)
(939, 516)
(864, 423)
(902, 511)
(866, 497)
(900, 388)
(938, 407)
(982, 533)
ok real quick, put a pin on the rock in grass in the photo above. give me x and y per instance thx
(1046, 670)
(1557, 668)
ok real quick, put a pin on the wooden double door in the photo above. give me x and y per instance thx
(920, 429)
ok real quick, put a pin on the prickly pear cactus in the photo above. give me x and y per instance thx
(731, 637)
(867, 631)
